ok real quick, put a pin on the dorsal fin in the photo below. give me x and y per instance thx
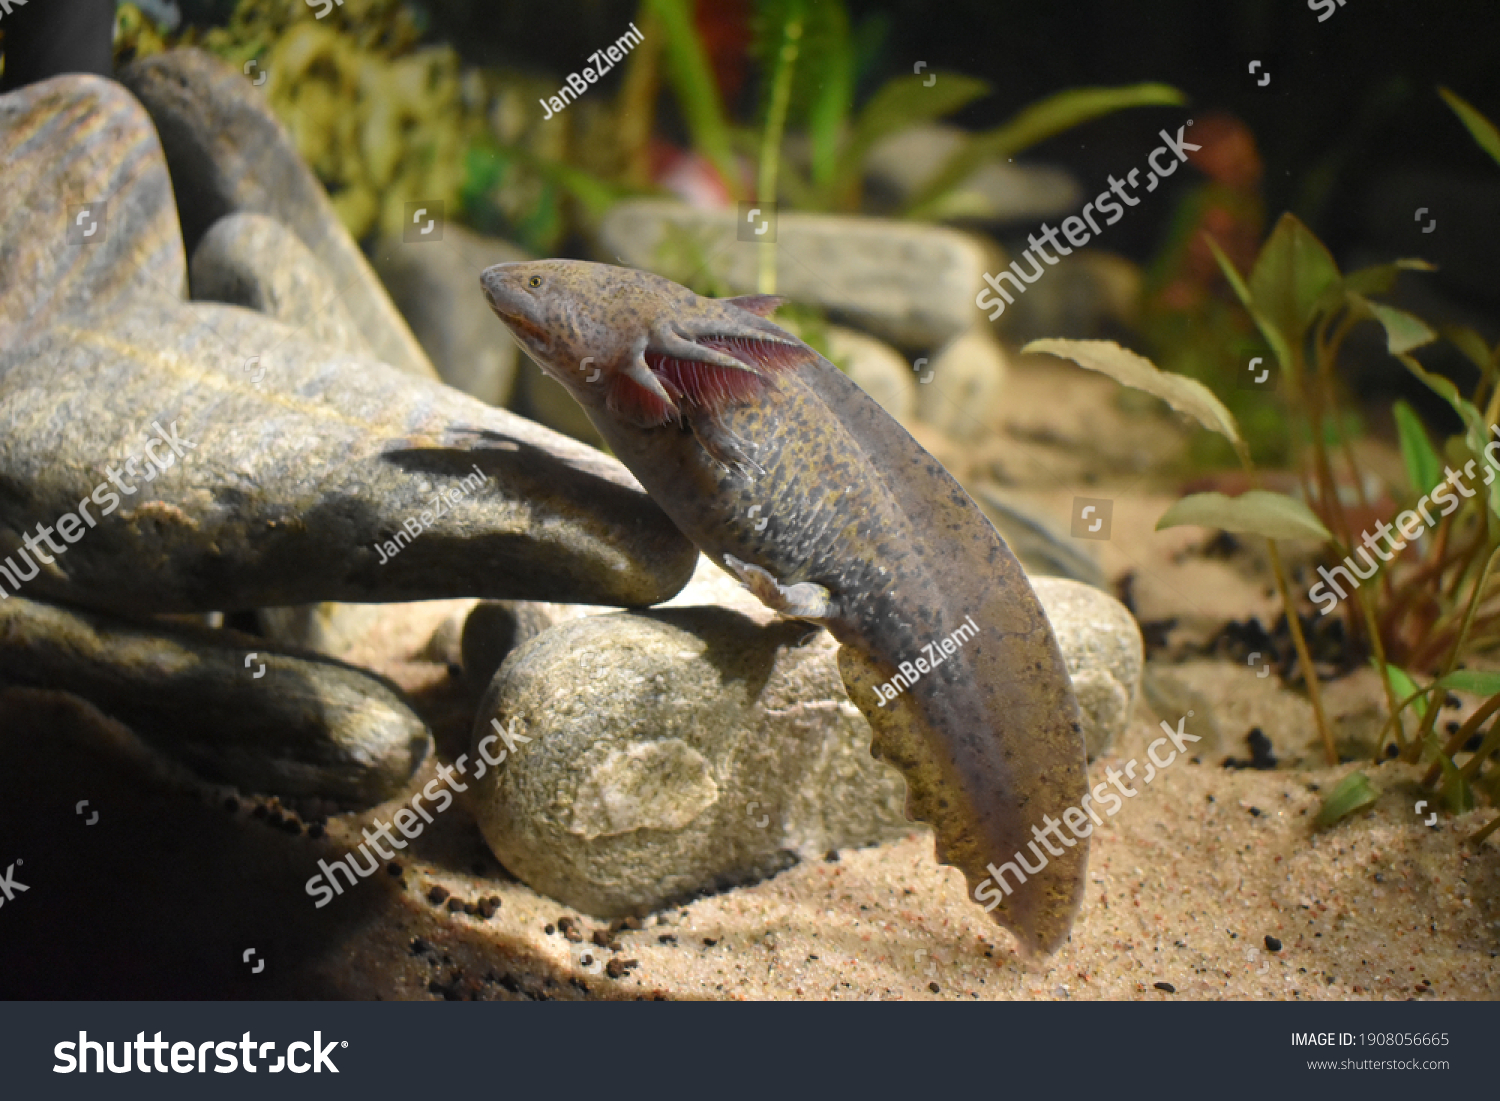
(762, 305)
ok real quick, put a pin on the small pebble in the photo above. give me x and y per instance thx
(455, 905)
(1165, 987)
(393, 869)
(1272, 944)
(935, 988)
(437, 895)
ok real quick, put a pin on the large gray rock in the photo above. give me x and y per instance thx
(435, 285)
(673, 752)
(254, 261)
(291, 483)
(228, 153)
(234, 708)
(1102, 646)
(911, 284)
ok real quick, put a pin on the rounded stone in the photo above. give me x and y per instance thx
(647, 757)
(1102, 646)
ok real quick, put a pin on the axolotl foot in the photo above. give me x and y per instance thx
(804, 600)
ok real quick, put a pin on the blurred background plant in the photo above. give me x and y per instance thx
(384, 119)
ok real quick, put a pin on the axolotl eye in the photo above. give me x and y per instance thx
(534, 281)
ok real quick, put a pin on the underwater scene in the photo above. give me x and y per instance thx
(720, 500)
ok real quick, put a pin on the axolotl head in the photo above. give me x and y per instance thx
(640, 345)
(559, 312)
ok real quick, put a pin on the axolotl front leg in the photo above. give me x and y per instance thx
(803, 600)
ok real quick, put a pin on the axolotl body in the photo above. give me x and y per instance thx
(788, 475)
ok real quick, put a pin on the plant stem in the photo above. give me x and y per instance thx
(1309, 673)
(770, 143)
(636, 113)
(1489, 745)
(1464, 733)
(1367, 605)
(1479, 837)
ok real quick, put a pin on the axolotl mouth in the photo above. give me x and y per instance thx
(523, 327)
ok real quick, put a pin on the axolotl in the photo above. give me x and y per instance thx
(786, 474)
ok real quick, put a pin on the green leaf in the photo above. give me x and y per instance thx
(1184, 394)
(829, 112)
(1458, 796)
(1279, 346)
(595, 194)
(1354, 792)
(1291, 277)
(1476, 432)
(1404, 686)
(1481, 128)
(1380, 278)
(1258, 512)
(1035, 123)
(1445, 389)
(1480, 682)
(1423, 467)
(901, 103)
(1403, 331)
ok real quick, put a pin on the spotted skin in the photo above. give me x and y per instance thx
(829, 510)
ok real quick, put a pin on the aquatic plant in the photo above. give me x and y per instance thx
(1420, 617)
(808, 55)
